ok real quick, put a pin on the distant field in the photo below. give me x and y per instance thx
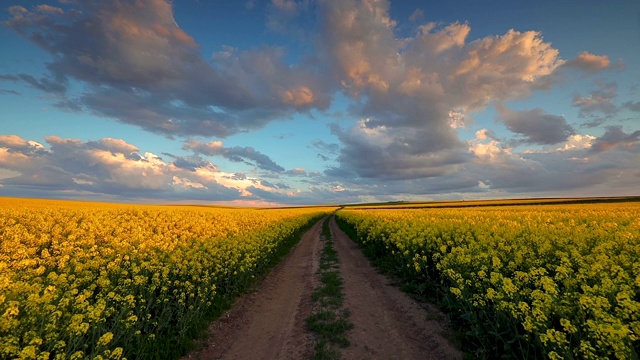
(502, 202)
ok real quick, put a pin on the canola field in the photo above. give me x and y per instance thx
(103, 281)
(548, 281)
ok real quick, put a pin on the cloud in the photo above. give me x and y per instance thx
(114, 169)
(577, 141)
(537, 126)
(544, 171)
(248, 154)
(376, 151)
(633, 106)
(13, 142)
(588, 62)
(9, 92)
(282, 11)
(45, 84)
(599, 101)
(411, 93)
(410, 96)
(298, 97)
(616, 138)
(296, 172)
(139, 67)
(327, 151)
(416, 15)
(191, 163)
(497, 170)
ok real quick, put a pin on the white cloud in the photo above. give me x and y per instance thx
(577, 142)
(114, 167)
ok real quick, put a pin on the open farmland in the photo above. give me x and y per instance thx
(95, 280)
(80, 280)
(556, 281)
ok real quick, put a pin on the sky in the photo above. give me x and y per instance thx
(289, 102)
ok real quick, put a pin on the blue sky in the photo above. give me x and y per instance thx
(318, 101)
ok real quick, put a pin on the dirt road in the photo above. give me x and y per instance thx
(270, 323)
(387, 323)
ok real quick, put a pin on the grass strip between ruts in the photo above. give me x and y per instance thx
(330, 320)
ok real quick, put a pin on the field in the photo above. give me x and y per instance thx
(92, 280)
(537, 278)
(556, 281)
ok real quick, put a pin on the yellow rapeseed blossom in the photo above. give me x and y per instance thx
(89, 280)
(566, 276)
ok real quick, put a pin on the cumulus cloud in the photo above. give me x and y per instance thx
(377, 151)
(115, 168)
(13, 142)
(248, 154)
(407, 88)
(588, 62)
(544, 171)
(568, 168)
(577, 141)
(614, 138)
(536, 126)
(141, 68)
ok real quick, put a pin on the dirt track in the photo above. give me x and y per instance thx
(270, 322)
(387, 323)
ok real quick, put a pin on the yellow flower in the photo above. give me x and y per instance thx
(105, 339)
